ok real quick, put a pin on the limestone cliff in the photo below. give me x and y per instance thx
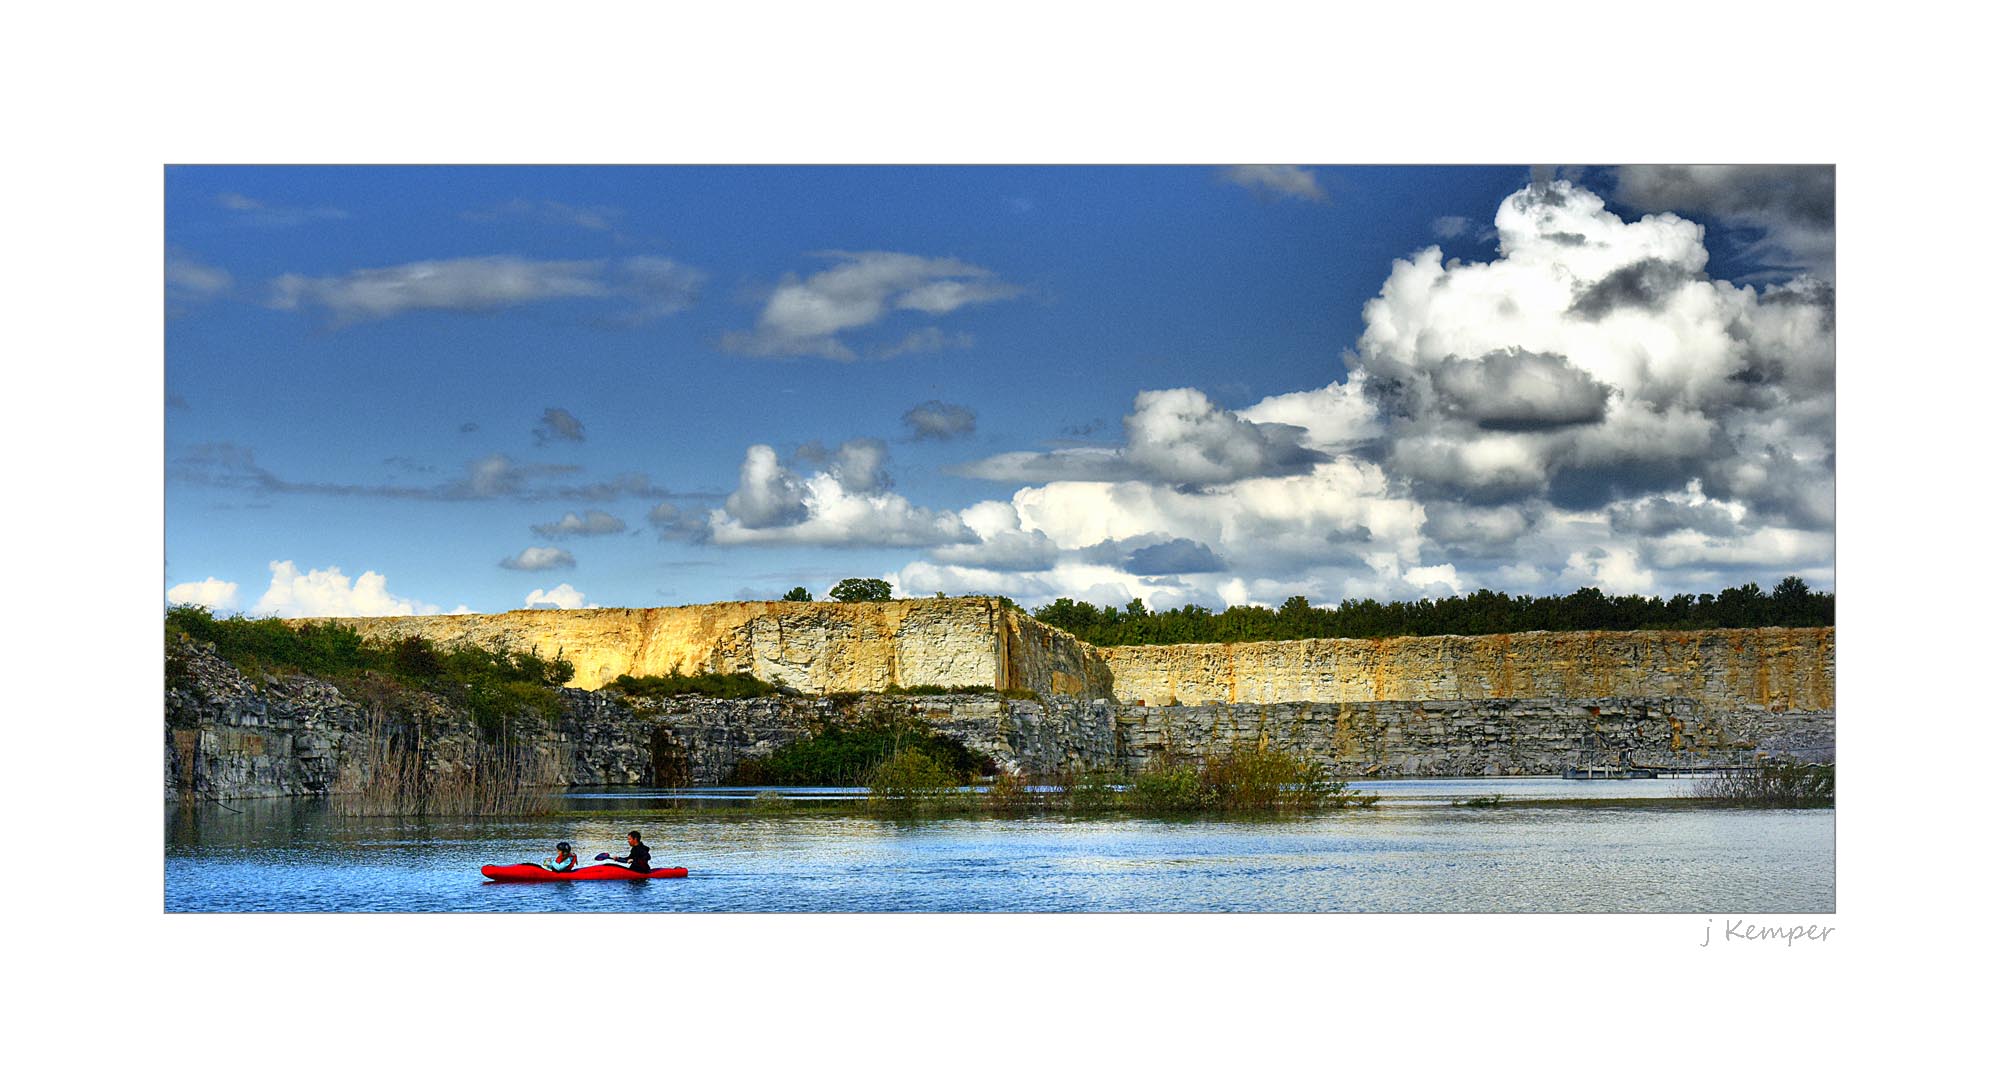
(867, 647)
(229, 736)
(1720, 669)
(812, 647)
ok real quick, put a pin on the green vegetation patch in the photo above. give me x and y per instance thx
(720, 686)
(1244, 780)
(911, 781)
(849, 754)
(1773, 785)
(493, 684)
(959, 690)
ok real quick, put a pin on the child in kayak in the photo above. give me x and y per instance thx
(565, 859)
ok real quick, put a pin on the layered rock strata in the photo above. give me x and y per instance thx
(230, 737)
(1721, 669)
(810, 647)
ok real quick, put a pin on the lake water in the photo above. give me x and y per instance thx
(1415, 852)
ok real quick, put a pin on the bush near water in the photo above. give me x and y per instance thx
(1248, 780)
(850, 754)
(1772, 785)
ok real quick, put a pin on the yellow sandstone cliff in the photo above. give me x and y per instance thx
(812, 647)
(868, 647)
(1779, 669)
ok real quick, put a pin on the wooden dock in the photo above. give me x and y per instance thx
(1649, 771)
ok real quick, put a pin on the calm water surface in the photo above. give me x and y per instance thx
(1415, 852)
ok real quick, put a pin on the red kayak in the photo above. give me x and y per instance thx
(526, 873)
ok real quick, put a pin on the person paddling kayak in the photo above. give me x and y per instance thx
(640, 859)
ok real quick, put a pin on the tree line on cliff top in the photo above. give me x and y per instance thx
(1792, 604)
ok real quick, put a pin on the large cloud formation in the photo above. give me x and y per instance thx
(330, 593)
(1791, 207)
(1588, 407)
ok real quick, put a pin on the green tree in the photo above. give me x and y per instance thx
(858, 590)
(798, 595)
(1791, 602)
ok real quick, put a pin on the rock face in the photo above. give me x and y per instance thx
(869, 647)
(1533, 736)
(227, 737)
(1722, 669)
(1528, 703)
(812, 647)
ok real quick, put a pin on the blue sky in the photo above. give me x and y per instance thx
(389, 387)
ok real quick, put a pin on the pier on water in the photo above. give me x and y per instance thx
(1597, 759)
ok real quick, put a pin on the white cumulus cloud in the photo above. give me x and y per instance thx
(560, 597)
(330, 593)
(212, 593)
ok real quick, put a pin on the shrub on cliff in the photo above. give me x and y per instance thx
(494, 684)
(720, 686)
(267, 644)
(939, 690)
(858, 590)
(798, 595)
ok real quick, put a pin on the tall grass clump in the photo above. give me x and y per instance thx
(1009, 795)
(1244, 780)
(398, 774)
(911, 783)
(1091, 791)
(1771, 785)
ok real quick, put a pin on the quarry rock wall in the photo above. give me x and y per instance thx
(869, 647)
(1517, 704)
(231, 737)
(1719, 669)
(811, 647)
